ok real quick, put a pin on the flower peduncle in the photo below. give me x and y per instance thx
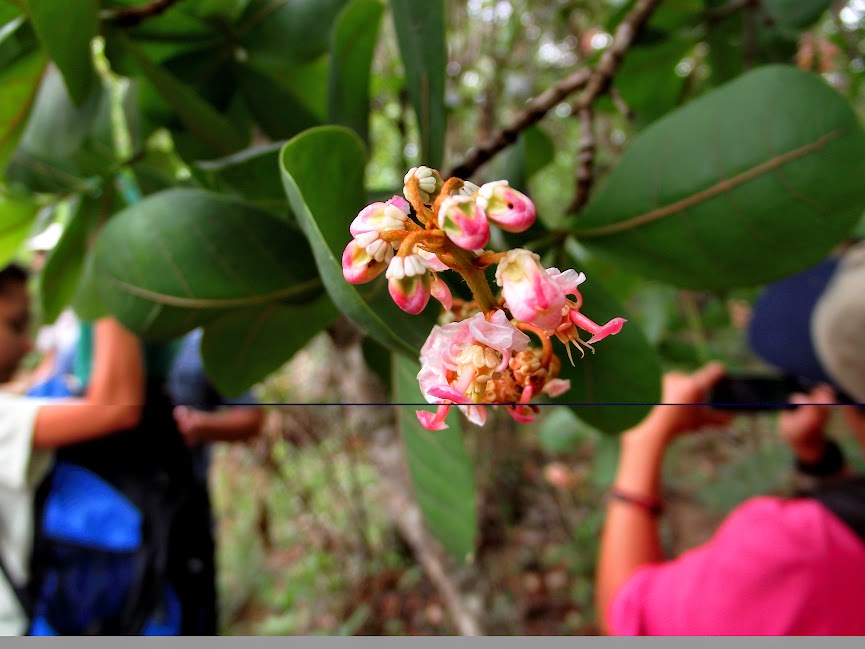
(547, 346)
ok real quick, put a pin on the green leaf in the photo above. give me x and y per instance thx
(18, 85)
(754, 181)
(87, 303)
(615, 387)
(179, 258)
(59, 279)
(252, 174)
(322, 171)
(64, 143)
(352, 47)
(420, 30)
(533, 151)
(277, 107)
(16, 219)
(203, 121)
(648, 81)
(440, 468)
(288, 30)
(795, 14)
(244, 346)
(66, 35)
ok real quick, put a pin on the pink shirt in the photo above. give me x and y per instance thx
(774, 567)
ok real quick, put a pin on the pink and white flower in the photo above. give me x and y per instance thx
(530, 293)
(459, 359)
(429, 183)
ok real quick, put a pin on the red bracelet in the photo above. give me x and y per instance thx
(651, 504)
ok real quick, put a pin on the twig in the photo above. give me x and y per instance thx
(621, 105)
(599, 83)
(534, 112)
(132, 16)
(585, 159)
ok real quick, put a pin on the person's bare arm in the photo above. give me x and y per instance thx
(233, 424)
(113, 400)
(630, 538)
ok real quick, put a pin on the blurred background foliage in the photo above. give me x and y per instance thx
(204, 158)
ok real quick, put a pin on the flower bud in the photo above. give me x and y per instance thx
(409, 283)
(464, 222)
(378, 217)
(506, 207)
(358, 266)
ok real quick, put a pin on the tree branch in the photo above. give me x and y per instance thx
(585, 159)
(132, 16)
(534, 112)
(599, 83)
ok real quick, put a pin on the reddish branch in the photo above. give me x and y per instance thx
(132, 16)
(598, 84)
(532, 114)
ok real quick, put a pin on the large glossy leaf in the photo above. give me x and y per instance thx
(66, 35)
(16, 219)
(288, 30)
(441, 471)
(352, 46)
(64, 143)
(179, 258)
(210, 127)
(613, 388)
(58, 280)
(252, 174)
(754, 181)
(280, 109)
(244, 346)
(420, 29)
(322, 171)
(18, 85)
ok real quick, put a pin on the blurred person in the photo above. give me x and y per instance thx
(204, 416)
(775, 566)
(31, 429)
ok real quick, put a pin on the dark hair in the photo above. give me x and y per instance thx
(12, 274)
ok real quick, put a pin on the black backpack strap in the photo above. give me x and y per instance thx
(845, 498)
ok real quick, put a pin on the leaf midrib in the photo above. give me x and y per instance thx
(718, 188)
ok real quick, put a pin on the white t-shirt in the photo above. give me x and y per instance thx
(21, 470)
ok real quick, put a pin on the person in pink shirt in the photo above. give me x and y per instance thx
(775, 566)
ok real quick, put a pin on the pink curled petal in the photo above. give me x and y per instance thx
(464, 222)
(433, 421)
(568, 281)
(411, 294)
(556, 387)
(475, 414)
(509, 209)
(599, 332)
(449, 393)
(442, 293)
(358, 266)
(517, 413)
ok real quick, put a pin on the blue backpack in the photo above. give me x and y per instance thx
(122, 543)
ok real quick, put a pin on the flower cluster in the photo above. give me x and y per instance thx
(485, 355)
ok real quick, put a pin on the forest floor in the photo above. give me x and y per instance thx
(306, 545)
